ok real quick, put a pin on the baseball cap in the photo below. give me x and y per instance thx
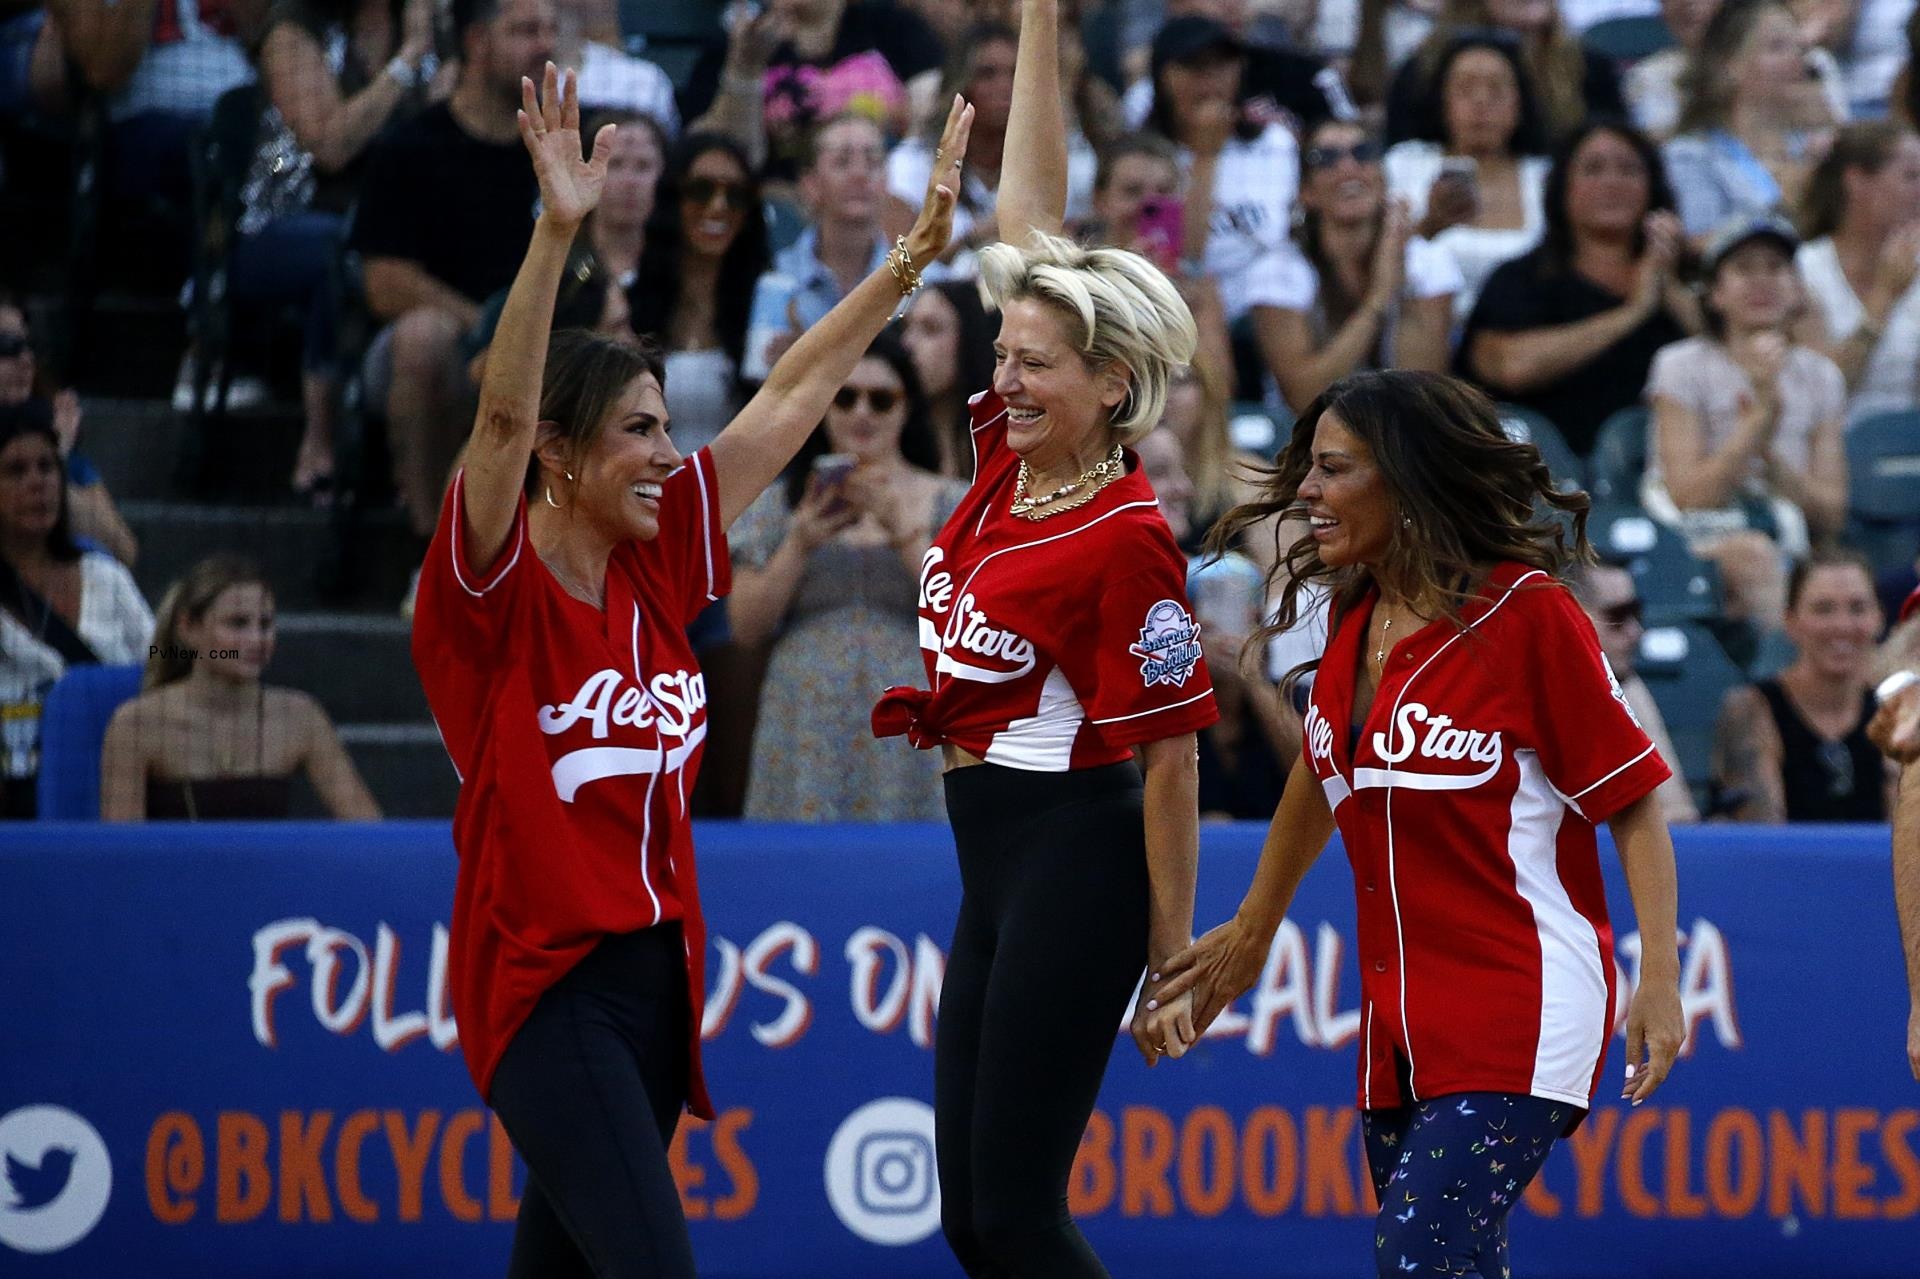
(1744, 230)
(1189, 37)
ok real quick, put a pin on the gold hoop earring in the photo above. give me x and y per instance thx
(550, 502)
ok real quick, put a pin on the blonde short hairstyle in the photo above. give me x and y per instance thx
(1118, 306)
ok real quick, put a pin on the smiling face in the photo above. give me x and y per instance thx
(1349, 507)
(30, 485)
(932, 337)
(1480, 103)
(1771, 62)
(714, 199)
(848, 175)
(1342, 178)
(1607, 187)
(1057, 407)
(1834, 621)
(240, 620)
(617, 485)
(1755, 287)
(868, 412)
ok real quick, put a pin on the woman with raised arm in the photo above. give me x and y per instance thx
(573, 548)
(1063, 664)
(1465, 735)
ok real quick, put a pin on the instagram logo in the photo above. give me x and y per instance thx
(880, 1172)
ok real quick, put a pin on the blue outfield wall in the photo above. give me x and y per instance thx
(227, 1051)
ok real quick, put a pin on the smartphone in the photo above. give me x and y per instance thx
(830, 470)
(1460, 168)
(1162, 228)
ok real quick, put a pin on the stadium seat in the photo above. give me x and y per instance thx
(1688, 674)
(1675, 587)
(670, 33)
(1883, 488)
(1627, 40)
(1620, 456)
(1529, 427)
(73, 724)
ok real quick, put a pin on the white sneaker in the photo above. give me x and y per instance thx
(247, 392)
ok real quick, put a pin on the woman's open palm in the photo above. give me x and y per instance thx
(550, 126)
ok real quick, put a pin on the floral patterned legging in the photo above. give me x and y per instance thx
(1447, 1172)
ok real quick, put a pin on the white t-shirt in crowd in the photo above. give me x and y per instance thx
(618, 81)
(189, 63)
(1254, 185)
(1878, 51)
(910, 165)
(1891, 379)
(1582, 14)
(1411, 168)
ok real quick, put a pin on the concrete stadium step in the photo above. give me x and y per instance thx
(141, 447)
(357, 664)
(298, 548)
(404, 765)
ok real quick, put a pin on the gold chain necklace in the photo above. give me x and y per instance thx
(1091, 481)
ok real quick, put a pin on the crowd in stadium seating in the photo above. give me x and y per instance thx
(1677, 240)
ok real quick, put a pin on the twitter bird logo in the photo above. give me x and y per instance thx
(37, 1185)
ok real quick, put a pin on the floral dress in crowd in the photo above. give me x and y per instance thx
(850, 632)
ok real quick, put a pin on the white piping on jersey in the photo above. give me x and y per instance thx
(646, 820)
(443, 746)
(1393, 882)
(1042, 541)
(1363, 778)
(1366, 1078)
(1156, 710)
(453, 542)
(1338, 792)
(706, 526)
(973, 441)
(1572, 800)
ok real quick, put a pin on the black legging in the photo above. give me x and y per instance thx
(590, 1090)
(1051, 940)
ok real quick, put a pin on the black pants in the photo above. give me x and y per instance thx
(1051, 940)
(590, 1090)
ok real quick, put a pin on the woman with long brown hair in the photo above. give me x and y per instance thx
(1466, 737)
(207, 738)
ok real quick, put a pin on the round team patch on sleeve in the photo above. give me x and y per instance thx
(1169, 647)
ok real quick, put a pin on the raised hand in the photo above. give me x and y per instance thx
(934, 227)
(550, 126)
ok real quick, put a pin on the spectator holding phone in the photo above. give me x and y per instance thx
(1240, 175)
(1136, 199)
(1361, 290)
(1475, 179)
(826, 570)
(1749, 129)
(1861, 214)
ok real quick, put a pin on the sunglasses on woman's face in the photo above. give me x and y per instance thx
(702, 190)
(1326, 157)
(879, 399)
(12, 344)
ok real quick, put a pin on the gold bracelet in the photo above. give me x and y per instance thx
(900, 262)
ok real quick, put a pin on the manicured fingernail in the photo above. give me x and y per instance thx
(1629, 1070)
(1155, 976)
(1152, 1004)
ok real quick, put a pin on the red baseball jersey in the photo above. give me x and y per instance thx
(1052, 644)
(1467, 802)
(576, 735)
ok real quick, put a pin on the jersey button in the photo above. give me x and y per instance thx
(1369, 885)
(1379, 965)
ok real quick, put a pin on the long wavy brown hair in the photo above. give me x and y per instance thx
(1470, 495)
